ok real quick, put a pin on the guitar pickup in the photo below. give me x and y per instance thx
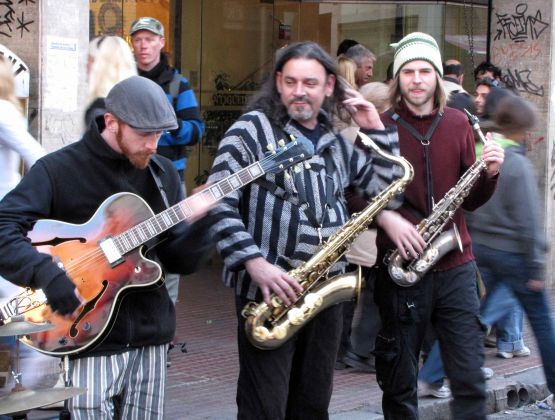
(110, 251)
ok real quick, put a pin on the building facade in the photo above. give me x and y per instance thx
(226, 48)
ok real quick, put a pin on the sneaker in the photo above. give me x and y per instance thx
(487, 372)
(431, 390)
(360, 363)
(523, 352)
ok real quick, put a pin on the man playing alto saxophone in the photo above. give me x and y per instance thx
(275, 225)
(438, 141)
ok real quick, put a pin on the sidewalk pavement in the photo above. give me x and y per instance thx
(202, 382)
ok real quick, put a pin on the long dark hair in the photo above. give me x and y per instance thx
(268, 99)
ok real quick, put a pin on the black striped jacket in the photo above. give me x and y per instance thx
(258, 221)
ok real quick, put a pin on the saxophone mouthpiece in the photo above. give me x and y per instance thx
(473, 119)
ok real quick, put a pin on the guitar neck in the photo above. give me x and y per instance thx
(150, 228)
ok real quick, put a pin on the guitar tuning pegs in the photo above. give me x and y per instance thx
(270, 147)
(292, 137)
(307, 165)
(297, 169)
(286, 175)
(281, 143)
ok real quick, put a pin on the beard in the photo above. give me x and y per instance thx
(137, 159)
(417, 101)
(300, 112)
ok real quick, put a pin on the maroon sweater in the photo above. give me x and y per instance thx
(452, 152)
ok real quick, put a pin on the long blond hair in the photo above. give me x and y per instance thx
(7, 83)
(112, 61)
(440, 94)
(347, 68)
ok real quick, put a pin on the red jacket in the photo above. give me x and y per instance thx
(452, 152)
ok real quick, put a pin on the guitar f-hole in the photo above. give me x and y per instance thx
(89, 306)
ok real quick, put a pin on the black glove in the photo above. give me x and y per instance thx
(61, 297)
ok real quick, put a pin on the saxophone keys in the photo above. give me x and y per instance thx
(275, 301)
(295, 316)
(313, 301)
(280, 332)
(261, 333)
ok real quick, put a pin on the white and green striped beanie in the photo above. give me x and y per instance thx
(417, 46)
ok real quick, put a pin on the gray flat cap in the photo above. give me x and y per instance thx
(141, 104)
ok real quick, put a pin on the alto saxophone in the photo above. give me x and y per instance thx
(407, 273)
(269, 326)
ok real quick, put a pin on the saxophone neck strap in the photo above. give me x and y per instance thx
(303, 199)
(423, 139)
(425, 142)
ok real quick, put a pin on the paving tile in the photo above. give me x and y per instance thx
(206, 322)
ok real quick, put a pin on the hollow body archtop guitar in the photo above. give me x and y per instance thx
(104, 257)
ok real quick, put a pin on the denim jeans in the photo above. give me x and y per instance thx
(502, 309)
(449, 299)
(510, 269)
(432, 371)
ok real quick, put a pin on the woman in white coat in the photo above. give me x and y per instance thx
(16, 143)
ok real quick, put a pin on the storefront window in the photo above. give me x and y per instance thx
(114, 17)
(226, 47)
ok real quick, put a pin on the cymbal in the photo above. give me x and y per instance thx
(23, 328)
(23, 401)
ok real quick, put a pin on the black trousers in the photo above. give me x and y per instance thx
(294, 381)
(449, 300)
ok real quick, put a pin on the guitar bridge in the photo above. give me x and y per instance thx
(110, 250)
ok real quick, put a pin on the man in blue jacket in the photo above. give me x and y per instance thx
(147, 35)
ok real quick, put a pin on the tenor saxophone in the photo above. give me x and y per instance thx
(269, 326)
(438, 243)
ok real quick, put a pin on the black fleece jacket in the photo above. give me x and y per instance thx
(69, 185)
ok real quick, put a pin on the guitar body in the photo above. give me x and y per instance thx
(103, 257)
(76, 249)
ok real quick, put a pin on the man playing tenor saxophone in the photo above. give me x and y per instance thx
(274, 225)
(438, 141)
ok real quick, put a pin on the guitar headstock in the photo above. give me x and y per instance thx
(287, 154)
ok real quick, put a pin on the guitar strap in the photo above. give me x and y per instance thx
(155, 162)
(158, 181)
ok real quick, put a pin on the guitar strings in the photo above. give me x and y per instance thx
(97, 255)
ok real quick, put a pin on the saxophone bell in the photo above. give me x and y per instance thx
(407, 273)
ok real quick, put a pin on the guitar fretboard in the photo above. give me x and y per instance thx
(150, 228)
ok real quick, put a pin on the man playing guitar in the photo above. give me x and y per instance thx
(85, 181)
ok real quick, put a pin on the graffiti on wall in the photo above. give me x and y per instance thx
(521, 25)
(519, 42)
(522, 81)
(552, 177)
(13, 22)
